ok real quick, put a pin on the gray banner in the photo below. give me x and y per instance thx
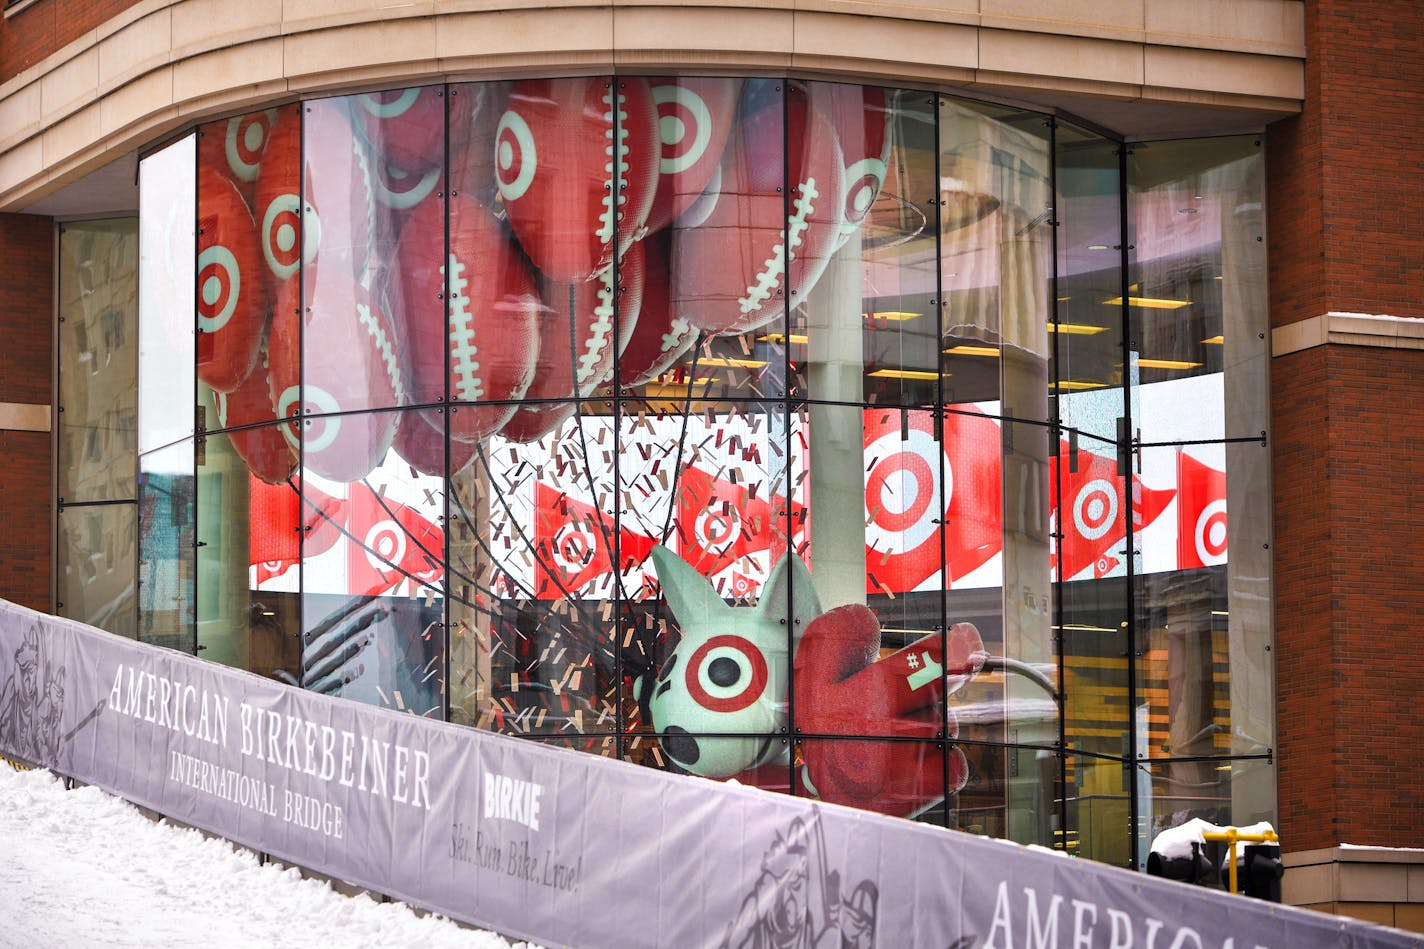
(562, 847)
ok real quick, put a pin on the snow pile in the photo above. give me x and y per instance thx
(83, 868)
(1175, 843)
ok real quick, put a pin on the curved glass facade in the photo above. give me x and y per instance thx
(861, 443)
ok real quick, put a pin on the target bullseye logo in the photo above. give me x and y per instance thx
(246, 140)
(1210, 533)
(684, 127)
(388, 105)
(863, 180)
(385, 545)
(320, 432)
(717, 528)
(515, 157)
(281, 228)
(219, 284)
(574, 547)
(1095, 509)
(726, 674)
(903, 498)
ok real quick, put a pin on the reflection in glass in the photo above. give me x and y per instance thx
(1197, 296)
(96, 566)
(761, 429)
(98, 339)
(373, 576)
(166, 515)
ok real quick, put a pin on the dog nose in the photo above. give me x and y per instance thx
(681, 746)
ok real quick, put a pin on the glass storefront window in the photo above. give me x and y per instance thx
(800, 433)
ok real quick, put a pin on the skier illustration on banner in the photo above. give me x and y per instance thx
(797, 902)
(32, 703)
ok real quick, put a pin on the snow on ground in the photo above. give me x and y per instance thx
(82, 868)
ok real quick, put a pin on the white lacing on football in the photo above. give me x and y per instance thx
(616, 168)
(372, 227)
(677, 333)
(776, 264)
(464, 364)
(600, 334)
(384, 348)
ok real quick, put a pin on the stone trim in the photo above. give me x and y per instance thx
(1348, 329)
(23, 417)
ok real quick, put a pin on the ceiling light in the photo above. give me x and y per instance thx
(731, 361)
(1097, 247)
(1151, 303)
(1078, 385)
(796, 339)
(1076, 329)
(972, 351)
(904, 374)
(1216, 340)
(892, 316)
(1167, 364)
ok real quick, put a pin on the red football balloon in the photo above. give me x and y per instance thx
(576, 345)
(278, 204)
(660, 337)
(420, 440)
(860, 116)
(730, 271)
(490, 327)
(475, 111)
(694, 119)
(336, 222)
(265, 449)
(576, 161)
(234, 147)
(232, 293)
(352, 364)
(406, 127)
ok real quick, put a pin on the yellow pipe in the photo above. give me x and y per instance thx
(1231, 835)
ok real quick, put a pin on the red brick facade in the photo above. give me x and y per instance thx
(1346, 212)
(45, 26)
(26, 273)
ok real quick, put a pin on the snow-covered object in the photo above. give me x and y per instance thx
(82, 868)
(1175, 843)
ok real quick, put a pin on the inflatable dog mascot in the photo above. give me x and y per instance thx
(720, 699)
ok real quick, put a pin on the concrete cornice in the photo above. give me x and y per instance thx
(163, 64)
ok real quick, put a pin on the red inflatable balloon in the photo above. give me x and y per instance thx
(731, 270)
(351, 364)
(660, 337)
(489, 328)
(860, 116)
(420, 440)
(266, 450)
(336, 222)
(406, 127)
(694, 120)
(576, 345)
(232, 292)
(234, 147)
(576, 161)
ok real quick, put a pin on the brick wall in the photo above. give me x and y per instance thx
(1346, 226)
(26, 274)
(48, 25)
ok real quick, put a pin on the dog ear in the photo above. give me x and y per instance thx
(688, 593)
(790, 584)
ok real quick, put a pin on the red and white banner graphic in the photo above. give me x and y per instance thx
(1201, 514)
(574, 545)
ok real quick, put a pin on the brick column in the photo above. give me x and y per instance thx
(26, 503)
(1346, 231)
